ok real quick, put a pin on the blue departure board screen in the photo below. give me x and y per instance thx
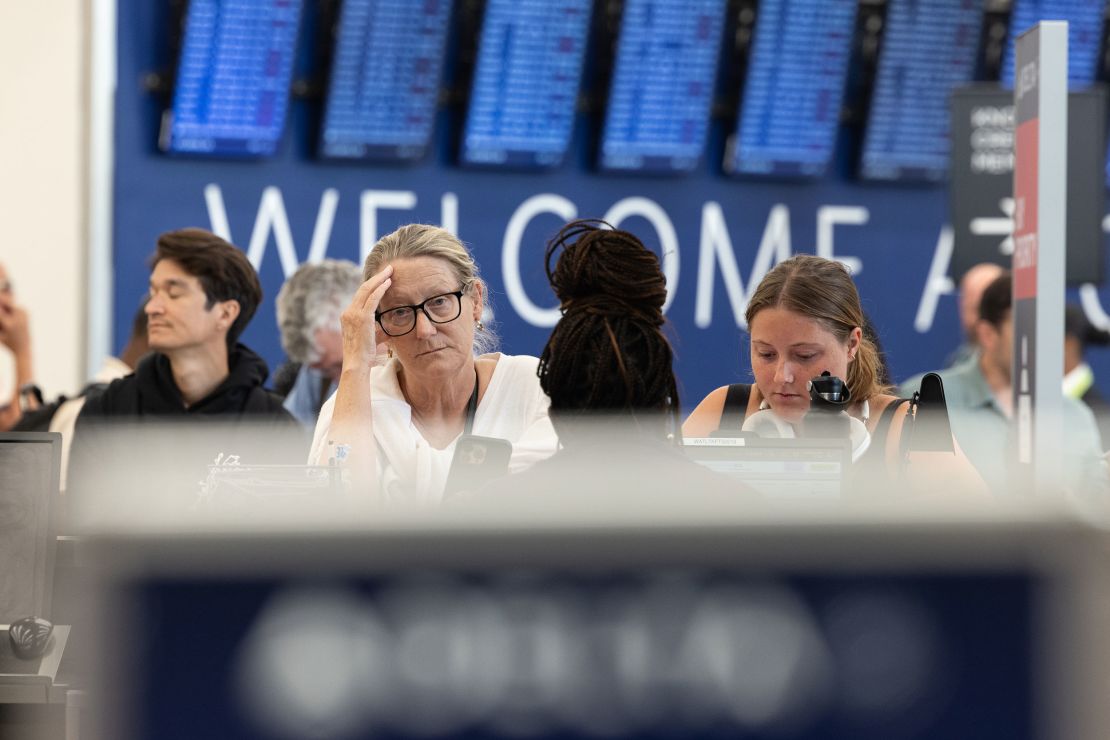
(663, 84)
(525, 87)
(794, 88)
(232, 86)
(929, 49)
(385, 79)
(1084, 19)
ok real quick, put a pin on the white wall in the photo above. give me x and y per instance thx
(43, 160)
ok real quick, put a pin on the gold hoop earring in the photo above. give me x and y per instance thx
(389, 352)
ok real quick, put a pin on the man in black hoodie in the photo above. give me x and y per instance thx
(203, 292)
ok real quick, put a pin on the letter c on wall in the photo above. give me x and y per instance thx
(510, 255)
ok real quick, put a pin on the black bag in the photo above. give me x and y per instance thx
(39, 419)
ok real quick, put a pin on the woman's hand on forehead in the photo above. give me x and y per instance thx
(358, 324)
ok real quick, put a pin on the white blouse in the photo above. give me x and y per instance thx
(411, 471)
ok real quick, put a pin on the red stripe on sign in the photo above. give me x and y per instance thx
(1025, 210)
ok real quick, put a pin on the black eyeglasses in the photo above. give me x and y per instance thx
(440, 309)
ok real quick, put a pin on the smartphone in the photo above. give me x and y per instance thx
(477, 461)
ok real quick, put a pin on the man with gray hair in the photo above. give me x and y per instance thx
(308, 308)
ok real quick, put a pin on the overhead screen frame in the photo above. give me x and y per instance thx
(781, 169)
(383, 151)
(660, 162)
(209, 146)
(1016, 22)
(906, 172)
(471, 156)
(451, 105)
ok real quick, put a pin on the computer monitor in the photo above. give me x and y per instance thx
(779, 469)
(29, 471)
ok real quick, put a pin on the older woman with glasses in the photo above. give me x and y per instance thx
(395, 425)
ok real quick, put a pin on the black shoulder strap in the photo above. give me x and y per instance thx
(736, 406)
(471, 407)
(882, 428)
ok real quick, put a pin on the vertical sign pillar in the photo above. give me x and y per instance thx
(1040, 220)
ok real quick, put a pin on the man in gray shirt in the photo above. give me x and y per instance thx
(979, 394)
(972, 285)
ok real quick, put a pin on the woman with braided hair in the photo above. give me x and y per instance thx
(607, 370)
(608, 353)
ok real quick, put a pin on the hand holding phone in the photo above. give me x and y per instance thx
(477, 461)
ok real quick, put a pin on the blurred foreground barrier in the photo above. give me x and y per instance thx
(843, 625)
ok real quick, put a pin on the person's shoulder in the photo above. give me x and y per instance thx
(958, 370)
(706, 416)
(262, 402)
(880, 401)
(515, 372)
(721, 393)
(715, 400)
(118, 397)
(965, 369)
(517, 365)
(1076, 408)
(384, 383)
(1095, 400)
(1080, 427)
(963, 384)
(896, 406)
(286, 377)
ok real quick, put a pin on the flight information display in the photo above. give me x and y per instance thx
(525, 87)
(1084, 19)
(795, 85)
(385, 79)
(232, 86)
(663, 84)
(929, 49)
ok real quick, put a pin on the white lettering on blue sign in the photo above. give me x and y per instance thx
(715, 247)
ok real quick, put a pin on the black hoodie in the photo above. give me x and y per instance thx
(151, 391)
(138, 432)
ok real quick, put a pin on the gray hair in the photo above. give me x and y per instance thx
(311, 299)
(423, 240)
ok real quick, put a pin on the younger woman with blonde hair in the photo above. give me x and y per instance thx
(805, 319)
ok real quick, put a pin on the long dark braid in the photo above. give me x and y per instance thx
(608, 351)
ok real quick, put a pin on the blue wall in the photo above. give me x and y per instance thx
(890, 233)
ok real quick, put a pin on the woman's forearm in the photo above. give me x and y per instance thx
(350, 441)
